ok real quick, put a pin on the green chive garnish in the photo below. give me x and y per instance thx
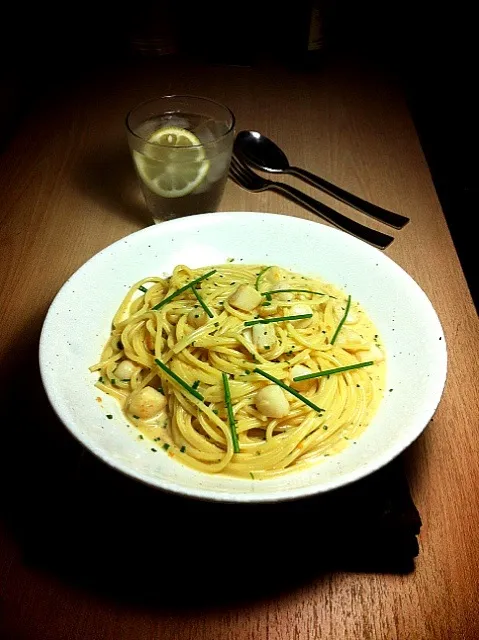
(256, 285)
(249, 323)
(328, 372)
(183, 449)
(142, 288)
(166, 446)
(231, 418)
(182, 290)
(316, 293)
(289, 390)
(100, 379)
(338, 328)
(109, 416)
(202, 302)
(179, 380)
(195, 384)
(252, 476)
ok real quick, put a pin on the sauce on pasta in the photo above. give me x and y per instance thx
(245, 370)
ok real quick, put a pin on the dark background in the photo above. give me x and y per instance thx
(429, 48)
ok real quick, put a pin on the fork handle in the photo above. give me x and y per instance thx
(376, 238)
(395, 220)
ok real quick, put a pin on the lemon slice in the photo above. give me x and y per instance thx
(176, 165)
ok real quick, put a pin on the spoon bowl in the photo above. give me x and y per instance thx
(261, 152)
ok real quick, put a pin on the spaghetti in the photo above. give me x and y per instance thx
(245, 370)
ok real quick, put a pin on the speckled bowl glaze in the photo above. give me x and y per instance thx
(78, 322)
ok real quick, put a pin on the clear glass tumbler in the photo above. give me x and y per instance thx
(181, 148)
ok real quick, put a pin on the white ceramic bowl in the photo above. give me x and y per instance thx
(78, 322)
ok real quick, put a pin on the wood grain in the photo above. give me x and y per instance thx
(68, 190)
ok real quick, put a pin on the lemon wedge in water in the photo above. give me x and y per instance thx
(176, 162)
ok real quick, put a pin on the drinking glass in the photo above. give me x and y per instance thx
(181, 147)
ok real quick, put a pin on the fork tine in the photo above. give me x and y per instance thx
(234, 173)
(241, 168)
(234, 176)
(246, 177)
(238, 173)
(235, 165)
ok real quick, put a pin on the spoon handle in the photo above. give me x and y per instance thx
(376, 238)
(395, 220)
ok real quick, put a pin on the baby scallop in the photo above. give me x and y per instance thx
(374, 353)
(248, 335)
(284, 295)
(273, 275)
(245, 298)
(272, 402)
(352, 338)
(197, 318)
(300, 310)
(300, 370)
(264, 337)
(148, 402)
(268, 308)
(352, 316)
(126, 370)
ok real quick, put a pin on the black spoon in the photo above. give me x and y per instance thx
(261, 152)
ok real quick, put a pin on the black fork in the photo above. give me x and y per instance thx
(248, 179)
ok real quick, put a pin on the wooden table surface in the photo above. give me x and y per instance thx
(68, 190)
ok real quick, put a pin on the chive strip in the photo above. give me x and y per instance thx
(341, 322)
(289, 390)
(142, 288)
(317, 293)
(300, 316)
(231, 418)
(256, 284)
(182, 290)
(328, 372)
(202, 303)
(179, 380)
(195, 384)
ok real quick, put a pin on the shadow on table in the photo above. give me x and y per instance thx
(97, 529)
(109, 178)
